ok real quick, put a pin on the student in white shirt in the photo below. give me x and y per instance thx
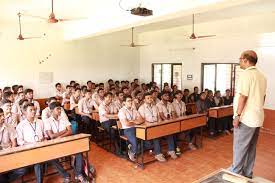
(66, 95)
(10, 118)
(129, 117)
(15, 107)
(119, 100)
(98, 98)
(150, 114)
(29, 95)
(56, 127)
(58, 91)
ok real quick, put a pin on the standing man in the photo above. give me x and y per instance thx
(248, 114)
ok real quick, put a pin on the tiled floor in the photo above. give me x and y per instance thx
(190, 166)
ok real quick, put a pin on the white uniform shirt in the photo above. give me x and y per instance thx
(127, 114)
(166, 109)
(106, 109)
(56, 125)
(179, 107)
(149, 113)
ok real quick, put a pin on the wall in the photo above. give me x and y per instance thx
(96, 59)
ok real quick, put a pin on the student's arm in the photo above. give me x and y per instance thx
(80, 110)
(68, 132)
(20, 136)
(13, 143)
(55, 135)
(139, 119)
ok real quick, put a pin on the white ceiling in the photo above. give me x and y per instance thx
(105, 16)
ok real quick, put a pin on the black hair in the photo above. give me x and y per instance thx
(99, 90)
(146, 94)
(57, 84)
(28, 90)
(1, 111)
(7, 94)
(107, 94)
(50, 99)
(185, 90)
(125, 97)
(54, 105)
(29, 104)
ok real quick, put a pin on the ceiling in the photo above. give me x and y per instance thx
(105, 16)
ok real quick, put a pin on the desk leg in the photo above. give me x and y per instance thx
(201, 136)
(142, 155)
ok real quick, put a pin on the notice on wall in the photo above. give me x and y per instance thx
(45, 77)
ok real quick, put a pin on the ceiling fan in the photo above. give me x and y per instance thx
(20, 37)
(193, 36)
(132, 39)
(52, 18)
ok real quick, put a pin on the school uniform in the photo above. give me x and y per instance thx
(37, 107)
(8, 133)
(118, 104)
(73, 104)
(229, 121)
(58, 93)
(150, 113)
(46, 114)
(130, 132)
(194, 97)
(12, 120)
(86, 106)
(65, 98)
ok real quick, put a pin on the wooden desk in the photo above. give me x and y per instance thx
(27, 155)
(191, 107)
(220, 112)
(149, 131)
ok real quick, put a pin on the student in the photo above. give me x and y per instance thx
(89, 85)
(138, 100)
(30, 131)
(8, 95)
(15, 106)
(85, 108)
(129, 117)
(58, 91)
(185, 97)
(218, 99)
(210, 102)
(8, 139)
(21, 116)
(56, 127)
(180, 110)
(194, 97)
(83, 91)
(119, 100)
(106, 111)
(10, 118)
(20, 88)
(66, 95)
(165, 108)
(228, 98)
(99, 98)
(46, 113)
(74, 99)
(150, 114)
(125, 90)
(72, 83)
(29, 95)
(154, 94)
(6, 88)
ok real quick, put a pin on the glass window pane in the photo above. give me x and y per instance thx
(209, 77)
(177, 75)
(238, 70)
(223, 77)
(166, 74)
(157, 74)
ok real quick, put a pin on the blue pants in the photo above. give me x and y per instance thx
(13, 175)
(78, 164)
(170, 141)
(130, 133)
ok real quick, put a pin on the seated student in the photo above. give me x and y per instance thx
(6, 88)
(98, 98)
(83, 91)
(194, 97)
(30, 131)
(218, 99)
(150, 114)
(74, 99)
(20, 88)
(8, 139)
(125, 90)
(119, 100)
(202, 107)
(58, 91)
(66, 95)
(154, 94)
(165, 108)
(15, 106)
(46, 113)
(72, 83)
(228, 100)
(10, 118)
(138, 100)
(56, 127)
(8, 95)
(20, 114)
(89, 85)
(29, 95)
(129, 117)
(106, 111)
(180, 110)
(85, 108)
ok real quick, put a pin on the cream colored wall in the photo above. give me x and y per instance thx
(233, 36)
(96, 59)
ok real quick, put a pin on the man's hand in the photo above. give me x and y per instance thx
(236, 121)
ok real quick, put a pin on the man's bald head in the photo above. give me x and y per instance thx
(251, 56)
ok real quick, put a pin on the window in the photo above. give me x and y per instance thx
(167, 73)
(220, 76)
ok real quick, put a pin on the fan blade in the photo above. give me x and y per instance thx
(206, 36)
(139, 45)
(33, 37)
(70, 19)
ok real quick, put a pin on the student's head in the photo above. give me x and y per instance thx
(117, 83)
(101, 85)
(83, 89)
(186, 92)
(120, 95)
(165, 96)
(166, 88)
(125, 90)
(29, 110)
(28, 94)
(51, 100)
(123, 83)
(148, 99)
(58, 86)
(6, 88)
(108, 97)
(202, 96)
(21, 95)
(20, 88)
(196, 89)
(110, 82)
(178, 95)
(15, 89)
(77, 92)
(136, 81)
(55, 108)
(228, 92)
(8, 95)
(88, 94)
(248, 58)
(6, 106)
(154, 84)
(154, 94)
(175, 87)
(72, 83)
(100, 92)
(127, 83)
(128, 101)
(210, 94)
(206, 91)
(139, 95)
(77, 85)
(218, 93)
(22, 102)
(2, 117)
(89, 84)
(156, 88)
(68, 88)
